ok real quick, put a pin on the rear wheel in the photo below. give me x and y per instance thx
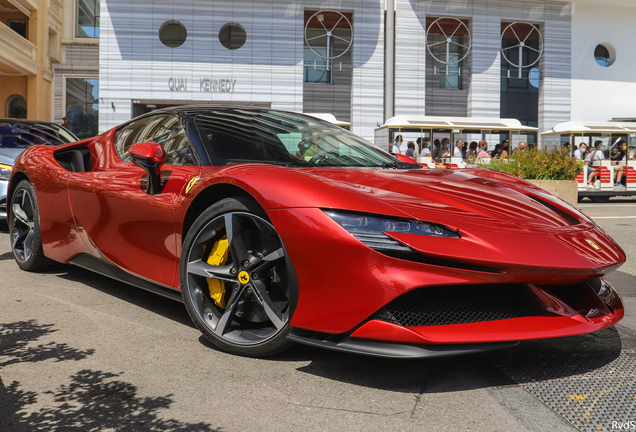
(24, 227)
(235, 279)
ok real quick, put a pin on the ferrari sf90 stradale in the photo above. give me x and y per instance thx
(274, 227)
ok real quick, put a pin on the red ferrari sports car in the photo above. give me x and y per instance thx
(274, 227)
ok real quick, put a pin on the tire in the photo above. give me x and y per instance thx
(259, 284)
(24, 229)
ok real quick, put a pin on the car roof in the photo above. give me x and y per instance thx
(10, 127)
(25, 121)
(194, 110)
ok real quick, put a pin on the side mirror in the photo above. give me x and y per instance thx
(151, 157)
(405, 159)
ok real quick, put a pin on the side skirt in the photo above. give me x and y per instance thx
(110, 270)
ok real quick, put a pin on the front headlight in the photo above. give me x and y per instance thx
(370, 229)
(5, 171)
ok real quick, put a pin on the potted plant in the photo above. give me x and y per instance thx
(552, 170)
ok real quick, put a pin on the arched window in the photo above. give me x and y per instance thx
(16, 107)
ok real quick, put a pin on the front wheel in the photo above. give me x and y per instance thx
(236, 280)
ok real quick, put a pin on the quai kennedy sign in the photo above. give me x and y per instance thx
(207, 85)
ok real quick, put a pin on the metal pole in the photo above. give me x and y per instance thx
(389, 61)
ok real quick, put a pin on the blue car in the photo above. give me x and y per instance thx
(15, 137)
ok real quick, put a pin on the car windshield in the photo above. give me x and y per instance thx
(26, 134)
(236, 136)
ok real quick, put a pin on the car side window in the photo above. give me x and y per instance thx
(174, 140)
(135, 132)
(163, 129)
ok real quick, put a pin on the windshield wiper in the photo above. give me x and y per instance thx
(399, 165)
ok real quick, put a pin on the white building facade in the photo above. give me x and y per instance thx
(603, 93)
(536, 60)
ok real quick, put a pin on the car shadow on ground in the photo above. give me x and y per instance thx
(624, 283)
(156, 303)
(530, 361)
(92, 399)
(6, 256)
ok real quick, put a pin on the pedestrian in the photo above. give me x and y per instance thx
(65, 124)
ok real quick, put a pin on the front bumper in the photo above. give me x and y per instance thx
(482, 313)
(408, 328)
(343, 283)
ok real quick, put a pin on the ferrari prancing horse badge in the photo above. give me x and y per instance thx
(190, 184)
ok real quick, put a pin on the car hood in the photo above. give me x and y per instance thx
(460, 199)
(9, 155)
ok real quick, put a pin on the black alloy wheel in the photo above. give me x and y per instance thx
(253, 318)
(24, 227)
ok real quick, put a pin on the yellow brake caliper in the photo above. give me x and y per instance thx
(217, 257)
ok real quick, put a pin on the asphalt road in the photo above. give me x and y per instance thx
(81, 352)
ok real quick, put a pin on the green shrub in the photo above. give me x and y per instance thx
(538, 165)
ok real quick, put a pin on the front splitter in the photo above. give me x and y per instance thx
(395, 350)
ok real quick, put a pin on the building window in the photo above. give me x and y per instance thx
(82, 106)
(16, 107)
(449, 77)
(521, 51)
(328, 39)
(87, 24)
(19, 26)
(232, 36)
(316, 66)
(173, 34)
(448, 42)
(605, 54)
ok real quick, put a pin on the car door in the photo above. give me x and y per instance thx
(124, 224)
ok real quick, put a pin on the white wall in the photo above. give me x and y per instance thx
(486, 16)
(134, 64)
(599, 93)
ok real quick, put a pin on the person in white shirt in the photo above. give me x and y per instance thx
(457, 152)
(579, 153)
(398, 143)
(422, 146)
(594, 156)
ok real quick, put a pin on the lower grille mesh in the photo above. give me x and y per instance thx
(461, 304)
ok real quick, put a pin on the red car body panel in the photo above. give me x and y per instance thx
(520, 231)
(503, 330)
